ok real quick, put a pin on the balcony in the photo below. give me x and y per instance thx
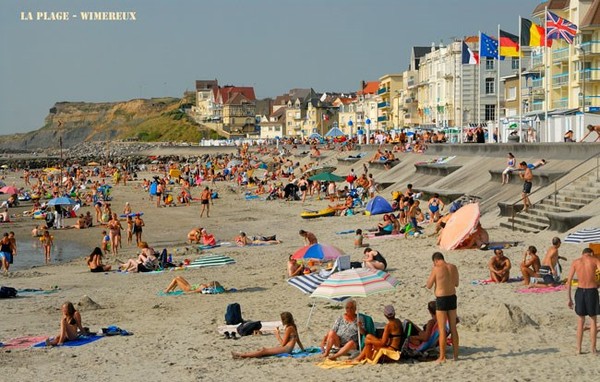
(561, 104)
(559, 80)
(590, 47)
(537, 106)
(589, 75)
(410, 83)
(383, 105)
(560, 55)
(537, 83)
(383, 118)
(382, 91)
(537, 60)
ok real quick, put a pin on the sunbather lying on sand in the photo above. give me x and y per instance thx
(186, 287)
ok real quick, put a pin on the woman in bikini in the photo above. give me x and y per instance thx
(435, 205)
(95, 262)
(391, 339)
(186, 287)
(70, 326)
(511, 165)
(114, 231)
(286, 343)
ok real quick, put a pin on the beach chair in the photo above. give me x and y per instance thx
(369, 326)
(343, 263)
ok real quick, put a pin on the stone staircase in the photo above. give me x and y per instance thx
(572, 198)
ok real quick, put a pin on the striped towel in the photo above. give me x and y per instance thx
(307, 283)
(211, 261)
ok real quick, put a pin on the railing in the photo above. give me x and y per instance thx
(537, 83)
(537, 60)
(561, 104)
(382, 91)
(557, 188)
(382, 118)
(537, 106)
(383, 105)
(590, 47)
(560, 54)
(560, 79)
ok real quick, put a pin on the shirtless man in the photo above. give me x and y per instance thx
(309, 237)
(499, 266)
(527, 176)
(530, 266)
(586, 295)
(445, 278)
(204, 200)
(549, 271)
(591, 129)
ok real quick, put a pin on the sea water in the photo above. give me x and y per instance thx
(31, 254)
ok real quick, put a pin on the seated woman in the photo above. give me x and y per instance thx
(344, 333)
(80, 222)
(207, 238)
(391, 338)
(423, 335)
(70, 326)
(374, 260)
(385, 227)
(358, 239)
(286, 343)
(186, 287)
(94, 262)
(145, 262)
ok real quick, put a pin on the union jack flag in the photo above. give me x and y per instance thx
(557, 28)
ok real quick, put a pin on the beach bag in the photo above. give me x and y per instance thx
(248, 328)
(7, 292)
(233, 314)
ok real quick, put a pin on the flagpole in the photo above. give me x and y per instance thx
(479, 83)
(462, 113)
(520, 83)
(546, 127)
(491, 136)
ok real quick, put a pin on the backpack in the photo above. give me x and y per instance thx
(248, 328)
(7, 292)
(233, 314)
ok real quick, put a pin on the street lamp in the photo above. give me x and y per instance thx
(579, 48)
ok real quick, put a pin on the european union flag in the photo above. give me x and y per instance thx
(488, 46)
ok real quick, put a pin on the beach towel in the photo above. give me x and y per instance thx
(211, 261)
(498, 245)
(345, 232)
(547, 289)
(171, 293)
(80, 341)
(490, 281)
(267, 327)
(297, 353)
(33, 292)
(219, 244)
(331, 364)
(390, 236)
(22, 342)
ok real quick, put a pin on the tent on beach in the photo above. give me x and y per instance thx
(378, 205)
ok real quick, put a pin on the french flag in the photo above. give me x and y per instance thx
(468, 56)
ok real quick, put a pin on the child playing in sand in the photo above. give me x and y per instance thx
(358, 239)
(105, 242)
(47, 242)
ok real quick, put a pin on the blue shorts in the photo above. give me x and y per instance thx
(8, 256)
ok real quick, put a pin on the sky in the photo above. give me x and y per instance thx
(272, 45)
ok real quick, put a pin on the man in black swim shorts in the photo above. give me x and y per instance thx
(445, 303)
(527, 177)
(586, 296)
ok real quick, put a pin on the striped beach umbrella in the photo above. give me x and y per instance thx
(586, 235)
(355, 282)
(318, 251)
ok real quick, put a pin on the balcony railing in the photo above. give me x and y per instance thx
(410, 83)
(537, 60)
(561, 104)
(560, 54)
(383, 118)
(590, 74)
(383, 105)
(537, 83)
(590, 47)
(537, 106)
(382, 91)
(560, 79)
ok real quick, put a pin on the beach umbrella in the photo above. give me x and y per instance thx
(62, 201)
(315, 136)
(318, 251)
(93, 164)
(51, 169)
(11, 190)
(586, 235)
(327, 176)
(4, 166)
(461, 224)
(334, 132)
(355, 282)
(307, 283)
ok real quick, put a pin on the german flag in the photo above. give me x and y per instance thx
(509, 44)
(532, 34)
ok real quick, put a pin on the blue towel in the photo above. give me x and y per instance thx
(82, 340)
(172, 293)
(297, 353)
(345, 232)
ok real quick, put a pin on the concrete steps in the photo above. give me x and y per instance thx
(572, 198)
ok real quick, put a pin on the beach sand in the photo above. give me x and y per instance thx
(503, 334)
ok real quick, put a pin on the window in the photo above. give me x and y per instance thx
(489, 86)
(489, 63)
(512, 93)
(490, 112)
(514, 64)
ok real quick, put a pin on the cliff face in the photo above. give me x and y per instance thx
(157, 119)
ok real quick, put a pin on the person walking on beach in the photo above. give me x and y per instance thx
(205, 200)
(47, 243)
(445, 278)
(527, 175)
(586, 295)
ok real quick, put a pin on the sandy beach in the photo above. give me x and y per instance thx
(504, 334)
